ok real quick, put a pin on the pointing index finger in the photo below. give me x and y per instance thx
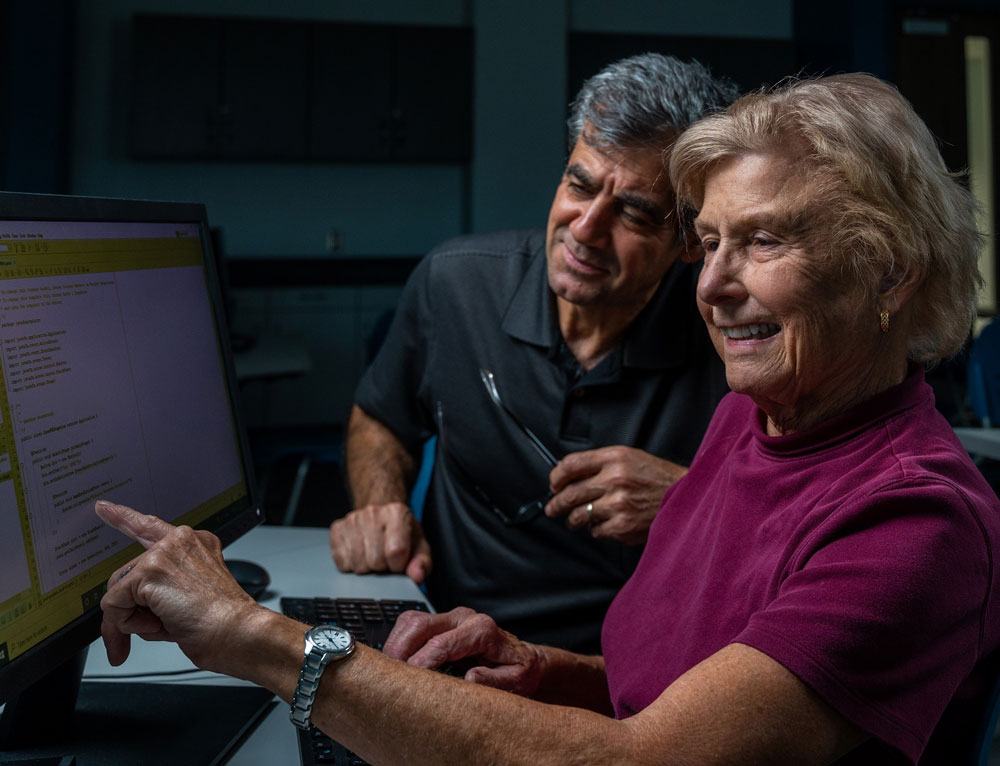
(144, 529)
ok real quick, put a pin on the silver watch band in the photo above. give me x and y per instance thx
(305, 690)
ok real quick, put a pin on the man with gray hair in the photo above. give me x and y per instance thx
(565, 372)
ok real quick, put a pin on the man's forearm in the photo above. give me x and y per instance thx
(379, 469)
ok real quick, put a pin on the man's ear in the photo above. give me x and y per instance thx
(691, 253)
(687, 238)
(690, 248)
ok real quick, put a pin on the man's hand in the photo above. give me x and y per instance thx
(431, 640)
(622, 486)
(178, 590)
(381, 538)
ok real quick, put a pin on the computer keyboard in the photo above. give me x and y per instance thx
(370, 622)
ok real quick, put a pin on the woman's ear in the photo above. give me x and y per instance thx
(898, 286)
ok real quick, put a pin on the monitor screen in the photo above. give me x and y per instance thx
(116, 383)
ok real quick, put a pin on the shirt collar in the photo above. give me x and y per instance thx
(884, 406)
(531, 313)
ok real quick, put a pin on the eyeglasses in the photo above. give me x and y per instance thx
(524, 513)
(490, 381)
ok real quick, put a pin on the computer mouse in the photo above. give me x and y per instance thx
(253, 578)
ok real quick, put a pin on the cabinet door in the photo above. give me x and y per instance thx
(351, 92)
(433, 95)
(174, 86)
(264, 90)
(279, 90)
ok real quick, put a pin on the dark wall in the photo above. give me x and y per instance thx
(36, 54)
(748, 62)
(850, 36)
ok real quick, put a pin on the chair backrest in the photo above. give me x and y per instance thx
(419, 491)
(987, 728)
(984, 375)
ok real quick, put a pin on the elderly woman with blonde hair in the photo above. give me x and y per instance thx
(821, 586)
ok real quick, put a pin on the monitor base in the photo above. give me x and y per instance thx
(153, 724)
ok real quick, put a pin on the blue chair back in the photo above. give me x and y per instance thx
(987, 728)
(419, 491)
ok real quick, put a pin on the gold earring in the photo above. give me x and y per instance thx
(883, 320)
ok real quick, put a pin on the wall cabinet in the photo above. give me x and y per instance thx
(391, 93)
(253, 89)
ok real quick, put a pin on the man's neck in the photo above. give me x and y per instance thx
(591, 332)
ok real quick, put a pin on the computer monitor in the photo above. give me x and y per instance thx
(116, 383)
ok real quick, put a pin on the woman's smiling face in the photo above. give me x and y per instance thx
(794, 333)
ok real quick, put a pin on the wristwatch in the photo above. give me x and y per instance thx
(323, 644)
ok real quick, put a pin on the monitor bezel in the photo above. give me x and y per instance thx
(24, 670)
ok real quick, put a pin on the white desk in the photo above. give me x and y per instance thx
(272, 357)
(980, 441)
(298, 560)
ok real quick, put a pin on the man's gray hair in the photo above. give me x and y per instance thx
(644, 99)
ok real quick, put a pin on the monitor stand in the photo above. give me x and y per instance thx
(43, 708)
(127, 722)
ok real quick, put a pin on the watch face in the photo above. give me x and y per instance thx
(331, 639)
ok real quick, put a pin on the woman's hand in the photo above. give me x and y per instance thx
(501, 659)
(178, 590)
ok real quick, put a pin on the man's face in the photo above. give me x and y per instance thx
(610, 236)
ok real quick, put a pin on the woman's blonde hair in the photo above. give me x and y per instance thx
(889, 205)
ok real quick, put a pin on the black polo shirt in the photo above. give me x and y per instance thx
(483, 302)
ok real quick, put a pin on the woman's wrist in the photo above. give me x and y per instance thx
(567, 678)
(268, 650)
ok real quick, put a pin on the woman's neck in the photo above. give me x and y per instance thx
(809, 411)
